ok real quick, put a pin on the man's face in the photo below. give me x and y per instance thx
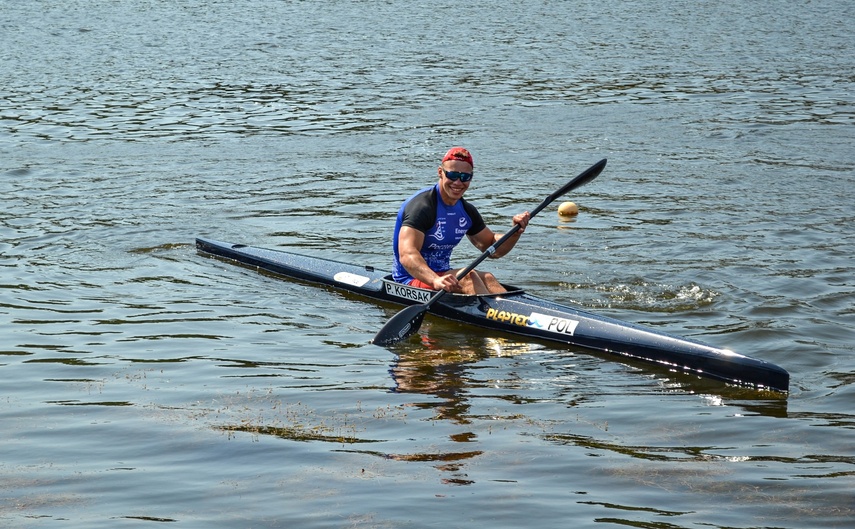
(453, 189)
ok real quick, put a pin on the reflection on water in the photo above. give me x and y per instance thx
(435, 365)
(431, 370)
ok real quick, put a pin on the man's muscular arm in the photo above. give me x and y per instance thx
(410, 240)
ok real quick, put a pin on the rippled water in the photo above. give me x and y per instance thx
(143, 383)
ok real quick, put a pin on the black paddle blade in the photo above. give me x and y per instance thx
(402, 325)
(591, 173)
(583, 178)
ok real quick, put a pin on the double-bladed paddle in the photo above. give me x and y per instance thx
(408, 321)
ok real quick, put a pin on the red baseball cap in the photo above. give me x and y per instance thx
(458, 153)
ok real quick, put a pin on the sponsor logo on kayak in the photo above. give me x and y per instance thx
(536, 320)
(407, 292)
(351, 279)
(553, 323)
(508, 317)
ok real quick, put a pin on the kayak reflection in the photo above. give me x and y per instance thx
(433, 367)
(437, 372)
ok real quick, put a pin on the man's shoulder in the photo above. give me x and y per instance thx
(419, 211)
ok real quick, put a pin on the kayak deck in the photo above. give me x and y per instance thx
(519, 313)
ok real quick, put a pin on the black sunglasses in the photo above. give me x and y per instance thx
(457, 175)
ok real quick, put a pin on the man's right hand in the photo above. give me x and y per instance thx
(446, 282)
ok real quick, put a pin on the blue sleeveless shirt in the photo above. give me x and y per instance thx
(444, 227)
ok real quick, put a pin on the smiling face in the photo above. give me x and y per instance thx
(452, 190)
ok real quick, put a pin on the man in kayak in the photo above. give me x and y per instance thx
(432, 222)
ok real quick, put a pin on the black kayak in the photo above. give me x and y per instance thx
(518, 313)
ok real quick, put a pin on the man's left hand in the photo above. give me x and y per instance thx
(522, 219)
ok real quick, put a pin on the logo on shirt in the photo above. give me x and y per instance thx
(439, 231)
(464, 224)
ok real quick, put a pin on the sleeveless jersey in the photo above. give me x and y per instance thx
(444, 227)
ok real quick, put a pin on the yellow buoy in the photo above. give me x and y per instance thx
(568, 209)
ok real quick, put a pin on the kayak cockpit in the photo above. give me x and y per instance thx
(422, 295)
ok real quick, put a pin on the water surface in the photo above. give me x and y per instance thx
(144, 384)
